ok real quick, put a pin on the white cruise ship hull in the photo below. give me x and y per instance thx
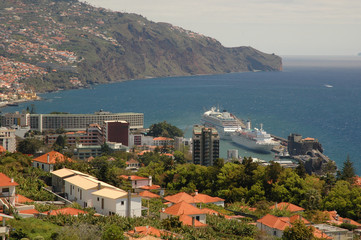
(257, 146)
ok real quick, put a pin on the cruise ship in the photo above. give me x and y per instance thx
(254, 139)
(224, 122)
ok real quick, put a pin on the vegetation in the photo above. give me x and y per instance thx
(164, 129)
(29, 145)
(298, 231)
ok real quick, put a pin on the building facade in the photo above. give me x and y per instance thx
(116, 131)
(205, 145)
(7, 139)
(76, 122)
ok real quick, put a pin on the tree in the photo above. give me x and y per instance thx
(105, 149)
(348, 171)
(301, 170)
(29, 146)
(60, 143)
(164, 129)
(113, 232)
(298, 231)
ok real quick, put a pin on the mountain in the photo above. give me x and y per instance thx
(72, 44)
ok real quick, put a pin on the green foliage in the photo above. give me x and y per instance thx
(31, 228)
(60, 143)
(29, 145)
(171, 223)
(348, 171)
(112, 232)
(298, 231)
(164, 129)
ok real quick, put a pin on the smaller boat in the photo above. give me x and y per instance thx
(328, 86)
(12, 104)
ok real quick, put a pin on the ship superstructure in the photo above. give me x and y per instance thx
(254, 139)
(225, 122)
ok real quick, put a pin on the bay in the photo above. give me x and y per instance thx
(299, 99)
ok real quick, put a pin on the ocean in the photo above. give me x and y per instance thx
(317, 97)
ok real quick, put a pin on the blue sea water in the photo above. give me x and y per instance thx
(295, 100)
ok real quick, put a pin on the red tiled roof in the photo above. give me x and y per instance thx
(133, 177)
(187, 220)
(334, 218)
(53, 158)
(2, 149)
(162, 139)
(131, 161)
(298, 218)
(319, 234)
(29, 211)
(274, 222)
(5, 181)
(179, 197)
(183, 208)
(148, 230)
(287, 206)
(309, 139)
(65, 211)
(153, 187)
(22, 199)
(148, 194)
(204, 198)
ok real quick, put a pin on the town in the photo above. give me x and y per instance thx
(105, 176)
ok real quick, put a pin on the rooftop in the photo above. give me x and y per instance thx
(287, 206)
(182, 208)
(65, 211)
(5, 181)
(111, 193)
(53, 158)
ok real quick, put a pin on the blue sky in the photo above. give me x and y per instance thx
(284, 27)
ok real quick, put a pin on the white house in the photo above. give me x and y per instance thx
(116, 201)
(7, 189)
(48, 160)
(104, 198)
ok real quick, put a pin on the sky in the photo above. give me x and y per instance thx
(283, 27)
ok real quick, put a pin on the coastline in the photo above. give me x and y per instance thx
(15, 103)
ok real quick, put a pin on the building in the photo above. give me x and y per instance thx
(288, 207)
(84, 152)
(7, 189)
(140, 140)
(197, 198)
(298, 146)
(232, 154)
(180, 143)
(138, 182)
(187, 213)
(104, 198)
(17, 119)
(132, 165)
(205, 145)
(334, 232)
(163, 141)
(77, 122)
(58, 176)
(7, 139)
(92, 136)
(116, 131)
(48, 160)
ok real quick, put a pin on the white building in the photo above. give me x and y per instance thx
(104, 198)
(7, 139)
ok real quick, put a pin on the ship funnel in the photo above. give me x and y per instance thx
(248, 124)
(261, 126)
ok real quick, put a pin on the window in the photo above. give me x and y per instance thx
(102, 203)
(81, 193)
(97, 199)
(274, 233)
(71, 190)
(122, 203)
(42, 166)
(5, 190)
(197, 218)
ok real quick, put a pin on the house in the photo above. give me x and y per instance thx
(4, 230)
(275, 226)
(147, 194)
(137, 181)
(335, 219)
(197, 198)
(104, 198)
(187, 213)
(163, 141)
(148, 232)
(288, 206)
(132, 165)
(58, 176)
(7, 190)
(334, 232)
(48, 160)
(116, 201)
(65, 211)
(204, 198)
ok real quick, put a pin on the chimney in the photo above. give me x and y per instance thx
(128, 211)
(48, 159)
(99, 186)
(150, 181)
(196, 192)
(12, 180)
(193, 221)
(163, 209)
(129, 178)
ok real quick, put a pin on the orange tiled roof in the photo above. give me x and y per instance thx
(204, 198)
(183, 208)
(22, 199)
(162, 139)
(287, 206)
(148, 194)
(187, 220)
(274, 222)
(179, 197)
(334, 218)
(53, 157)
(2, 149)
(319, 234)
(29, 211)
(65, 211)
(131, 161)
(147, 230)
(133, 177)
(153, 187)
(309, 139)
(297, 218)
(5, 181)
